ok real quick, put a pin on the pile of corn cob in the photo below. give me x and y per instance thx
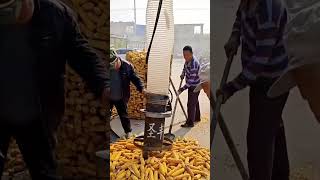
(84, 128)
(137, 100)
(186, 161)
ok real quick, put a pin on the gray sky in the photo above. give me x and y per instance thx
(185, 11)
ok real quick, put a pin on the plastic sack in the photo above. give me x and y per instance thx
(204, 75)
(302, 41)
(204, 72)
(302, 32)
(162, 45)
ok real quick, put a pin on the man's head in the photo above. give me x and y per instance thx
(116, 63)
(187, 53)
(115, 60)
(16, 11)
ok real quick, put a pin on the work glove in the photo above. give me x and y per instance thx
(226, 92)
(231, 47)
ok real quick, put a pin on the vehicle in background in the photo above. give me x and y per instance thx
(122, 52)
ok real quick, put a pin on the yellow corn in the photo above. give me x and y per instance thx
(151, 176)
(174, 161)
(162, 169)
(142, 170)
(165, 167)
(174, 170)
(133, 177)
(117, 156)
(142, 161)
(156, 175)
(188, 154)
(183, 176)
(128, 173)
(207, 166)
(178, 172)
(198, 176)
(203, 173)
(162, 177)
(135, 170)
(185, 161)
(189, 171)
(121, 174)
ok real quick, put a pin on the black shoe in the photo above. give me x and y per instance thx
(186, 125)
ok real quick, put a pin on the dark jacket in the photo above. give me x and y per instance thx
(129, 75)
(57, 40)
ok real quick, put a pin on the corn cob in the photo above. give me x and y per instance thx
(172, 164)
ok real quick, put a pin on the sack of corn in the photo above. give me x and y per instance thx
(186, 160)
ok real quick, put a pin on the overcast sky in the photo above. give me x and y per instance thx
(185, 11)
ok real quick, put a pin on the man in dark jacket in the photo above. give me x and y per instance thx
(121, 74)
(38, 38)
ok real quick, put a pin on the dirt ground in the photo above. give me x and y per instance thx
(302, 130)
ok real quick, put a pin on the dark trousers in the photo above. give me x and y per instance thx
(122, 107)
(193, 106)
(267, 151)
(35, 145)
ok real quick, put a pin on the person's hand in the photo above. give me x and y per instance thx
(144, 91)
(225, 95)
(180, 91)
(226, 92)
(231, 47)
(105, 96)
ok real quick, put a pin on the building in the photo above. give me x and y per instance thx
(123, 35)
(190, 34)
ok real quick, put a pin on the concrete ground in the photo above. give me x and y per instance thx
(200, 132)
(302, 130)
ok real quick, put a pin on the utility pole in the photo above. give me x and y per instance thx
(135, 18)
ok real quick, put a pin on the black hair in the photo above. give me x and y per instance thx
(188, 48)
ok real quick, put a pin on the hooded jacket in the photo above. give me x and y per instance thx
(128, 75)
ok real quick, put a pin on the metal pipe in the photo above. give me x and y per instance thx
(135, 18)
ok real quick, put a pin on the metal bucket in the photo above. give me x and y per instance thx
(157, 103)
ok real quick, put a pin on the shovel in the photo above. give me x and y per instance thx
(217, 107)
(169, 135)
(217, 118)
